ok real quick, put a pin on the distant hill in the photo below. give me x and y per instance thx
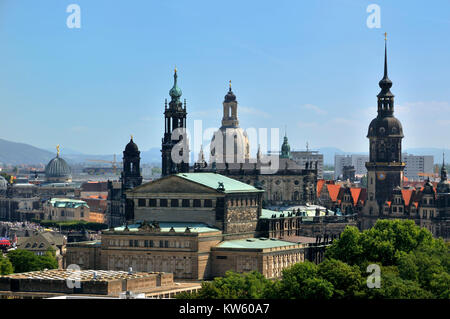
(13, 153)
(20, 153)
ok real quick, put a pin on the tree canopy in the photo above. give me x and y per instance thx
(412, 265)
(24, 261)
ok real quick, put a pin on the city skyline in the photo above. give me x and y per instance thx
(109, 79)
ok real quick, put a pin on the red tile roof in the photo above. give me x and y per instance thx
(406, 194)
(320, 183)
(355, 194)
(333, 190)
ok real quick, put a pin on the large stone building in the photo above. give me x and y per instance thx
(197, 225)
(285, 181)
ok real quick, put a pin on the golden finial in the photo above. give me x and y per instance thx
(175, 69)
(230, 84)
(131, 136)
(385, 36)
(57, 150)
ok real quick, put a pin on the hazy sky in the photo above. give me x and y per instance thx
(312, 66)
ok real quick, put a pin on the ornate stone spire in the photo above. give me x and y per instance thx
(385, 97)
(175, 92)
(285, 148)
(443, 169)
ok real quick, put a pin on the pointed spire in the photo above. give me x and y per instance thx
(230, 97)
(57, 150)
(385, 83)
(175, 92)
(443, 168)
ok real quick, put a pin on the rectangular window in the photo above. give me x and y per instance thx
(186, 203)
(197, 203)
(166, 244)
(136, 243)
(208, 203)
(163, 202)
(146, 243)
(131, 243)
(221, 257)
(161, 244)
(174, 202)
(151, 243)
(141, 202)
(152, 202)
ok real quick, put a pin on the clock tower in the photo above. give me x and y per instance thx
(385, 134)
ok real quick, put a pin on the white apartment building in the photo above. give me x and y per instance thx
(358, 161)
(414, 164)
(301, 157)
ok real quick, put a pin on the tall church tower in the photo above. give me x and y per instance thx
(175, 118)
(385, 166)
(131, 175)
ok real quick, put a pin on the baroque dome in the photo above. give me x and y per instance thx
(388, 126)
(227, 136)
(58, 170)
(131, 148)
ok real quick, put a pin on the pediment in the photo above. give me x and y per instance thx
(172, 184)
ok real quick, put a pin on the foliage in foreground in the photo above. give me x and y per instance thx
(72, 225)
(414, 265)
(24, 260)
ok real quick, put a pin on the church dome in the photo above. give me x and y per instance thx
(388, 126)
(235, 136)
(57, 170)
(131, 147)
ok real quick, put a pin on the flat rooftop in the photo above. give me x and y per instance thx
(178, 227)
(255, 243)
(81, 275)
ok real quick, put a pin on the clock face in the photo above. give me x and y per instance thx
(381, 176)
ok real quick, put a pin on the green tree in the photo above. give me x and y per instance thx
(24, 261)
(346, 280)
(394, 287)
(301, 281)
(348, 247)
(252, 285)
(6, 267)
(439, 285)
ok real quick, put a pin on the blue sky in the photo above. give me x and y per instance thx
(312, 66)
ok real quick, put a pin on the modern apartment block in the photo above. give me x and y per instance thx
(357, 161)
(302, 157)
(416, 164)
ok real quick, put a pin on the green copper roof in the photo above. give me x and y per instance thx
(305, 212)
(285, 148)
(175, 91)
(212, 180)
(254, 243)
(67, 203)
(178, 227)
